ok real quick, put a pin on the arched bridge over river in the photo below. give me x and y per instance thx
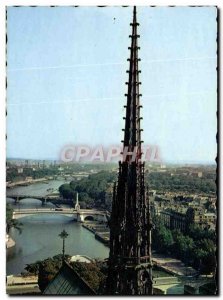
(80, 215)
(44, 199)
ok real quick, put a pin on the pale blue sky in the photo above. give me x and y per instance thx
(67, 72)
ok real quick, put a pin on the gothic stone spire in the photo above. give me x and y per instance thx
(130, 227)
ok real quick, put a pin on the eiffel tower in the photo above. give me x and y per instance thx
(129, 264)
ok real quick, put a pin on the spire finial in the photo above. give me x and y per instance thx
(134, 14)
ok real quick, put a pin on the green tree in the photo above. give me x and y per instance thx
(162, 239)
(92, 190)
(183, 246)
(10, 222)
(197, 233)
(63, 235)
(47, 269)
(66, 191)
(91, 273)
(208, 257)
(33, 268)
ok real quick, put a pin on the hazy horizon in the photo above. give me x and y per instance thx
(209, 163)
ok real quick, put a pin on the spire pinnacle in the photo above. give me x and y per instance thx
(132, 135)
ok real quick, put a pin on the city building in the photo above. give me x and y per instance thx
(184, 217)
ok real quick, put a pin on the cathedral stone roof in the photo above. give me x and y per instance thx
(68, 282)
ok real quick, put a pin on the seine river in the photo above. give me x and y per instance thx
(39, 238)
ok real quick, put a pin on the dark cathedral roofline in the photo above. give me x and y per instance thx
(68, 282)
